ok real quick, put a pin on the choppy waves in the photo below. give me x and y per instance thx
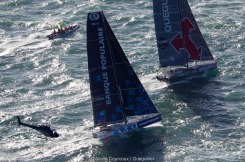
(46, 81)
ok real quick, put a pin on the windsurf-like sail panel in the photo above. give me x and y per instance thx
(135, 99)
(169, 33)
(195, 44)
(103, 84)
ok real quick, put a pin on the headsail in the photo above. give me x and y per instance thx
(195, 44)
(135, 99)
(115, 88)
(178, 37)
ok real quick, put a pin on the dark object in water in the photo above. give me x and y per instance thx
(44, 129)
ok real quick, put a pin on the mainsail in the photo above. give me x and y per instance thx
(115, 88)
(179, 39)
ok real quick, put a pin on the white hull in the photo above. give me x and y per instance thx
(182, 73)
(122, 129)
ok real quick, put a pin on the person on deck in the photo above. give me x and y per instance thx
(60, 30)
(59, 26)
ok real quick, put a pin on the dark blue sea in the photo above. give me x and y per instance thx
(46, 81)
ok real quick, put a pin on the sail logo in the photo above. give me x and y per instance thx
(100, 116)
(166, 19)
(94, 16)
(106, 83)
(185, 42)
(149, 121)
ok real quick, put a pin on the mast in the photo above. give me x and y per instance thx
(121, 98)
(194, 43)
(105, 97)
(114, 67)
(186, 56)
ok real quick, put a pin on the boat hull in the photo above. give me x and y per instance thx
(63, 35)
(180, 74)
(122, 129)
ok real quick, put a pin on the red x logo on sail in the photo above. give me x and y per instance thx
(186, 42)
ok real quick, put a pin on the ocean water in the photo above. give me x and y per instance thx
(46, 81)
